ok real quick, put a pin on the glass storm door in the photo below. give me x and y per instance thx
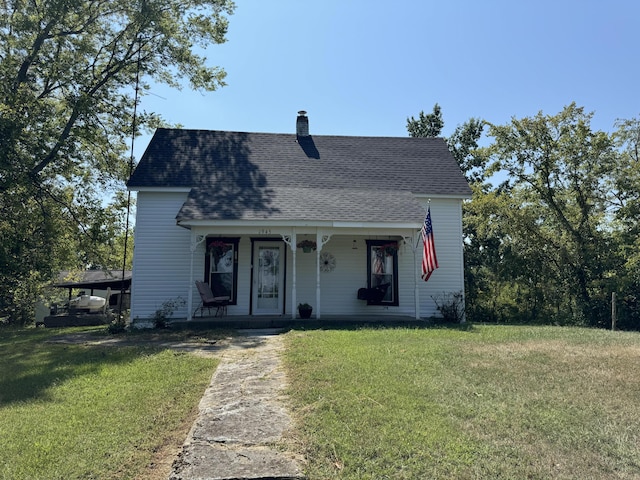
(268, 278)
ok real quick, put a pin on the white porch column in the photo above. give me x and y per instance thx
(411, 240)
(321, 239)
(318, 276)
(195, 240)
(292, 242)
(415, 281)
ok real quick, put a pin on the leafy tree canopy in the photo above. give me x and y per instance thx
(557, 217)
(67, 71)
(427, 125)
(463, 143)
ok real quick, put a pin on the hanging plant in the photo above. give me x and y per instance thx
(390, 249)
(307, 245)
(218, 248)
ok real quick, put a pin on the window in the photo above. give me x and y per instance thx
(382, 270)
(221, 267)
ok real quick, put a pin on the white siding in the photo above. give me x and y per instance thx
(446, 217)
(162, 262)
(161, 254)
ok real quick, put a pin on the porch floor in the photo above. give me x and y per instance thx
(240, 322)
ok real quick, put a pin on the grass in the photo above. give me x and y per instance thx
(498, 402)
(72, 411)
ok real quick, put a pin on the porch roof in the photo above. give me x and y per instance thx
(304, 204)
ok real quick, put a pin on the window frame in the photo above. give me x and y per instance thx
(234, 241)
(371, 244)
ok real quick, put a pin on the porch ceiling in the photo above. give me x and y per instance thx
(299, 204)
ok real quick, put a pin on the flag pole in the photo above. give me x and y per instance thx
(425, 214)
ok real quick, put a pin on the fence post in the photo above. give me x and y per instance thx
(613, 311)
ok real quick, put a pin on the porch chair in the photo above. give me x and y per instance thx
(373, 295)
(209, 300)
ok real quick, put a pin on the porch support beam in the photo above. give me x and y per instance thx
(412, 241)
(321, 239)
(195, 241)
(292, 242)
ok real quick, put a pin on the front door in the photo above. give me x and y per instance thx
(268, 278)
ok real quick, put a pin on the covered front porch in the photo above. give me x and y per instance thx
(268, 272)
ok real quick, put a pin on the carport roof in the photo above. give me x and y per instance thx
(95, 279)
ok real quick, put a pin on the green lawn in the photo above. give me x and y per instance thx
(485, 402)
(76, 412)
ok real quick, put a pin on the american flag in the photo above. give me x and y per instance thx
(429, 260)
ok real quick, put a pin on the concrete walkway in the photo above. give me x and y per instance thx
(242, 416)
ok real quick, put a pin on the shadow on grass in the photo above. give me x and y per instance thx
(31, 365)
(193, 334)
(381, 325)
(248, 325)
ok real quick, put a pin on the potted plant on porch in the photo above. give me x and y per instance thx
(304, 310)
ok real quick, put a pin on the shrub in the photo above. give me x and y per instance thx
(451, 306)
(119, 323)
(162, 315)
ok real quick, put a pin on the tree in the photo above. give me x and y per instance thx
(625, 184)
(66, 104)
(556, 168)
(625, 188)
(429, 125)
(463, 144)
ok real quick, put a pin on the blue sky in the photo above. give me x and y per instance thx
(361, 67)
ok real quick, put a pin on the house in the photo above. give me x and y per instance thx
(234, 209)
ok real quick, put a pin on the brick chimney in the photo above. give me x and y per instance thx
(302, 124)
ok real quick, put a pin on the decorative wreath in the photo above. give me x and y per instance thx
(327, 262)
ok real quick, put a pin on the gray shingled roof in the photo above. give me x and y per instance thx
(312, 204)
(237, 175)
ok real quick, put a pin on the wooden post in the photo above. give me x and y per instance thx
(613, 311)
